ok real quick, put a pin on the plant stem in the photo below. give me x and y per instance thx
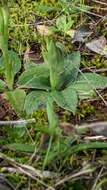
(8, 69)
(53, 123)
(7, 64)
(47, 153)
(53, 120)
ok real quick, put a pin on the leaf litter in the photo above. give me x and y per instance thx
(98, 46)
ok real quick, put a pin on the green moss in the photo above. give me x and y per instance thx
(97, 61)
(40, 115)
(24, 16)
(84, 110)
(21, 28)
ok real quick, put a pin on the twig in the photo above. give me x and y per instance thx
(102, 124)
(95, 70)
(100, 137)
(102, 3)
(98, 177)
(21, 121)
(96, 127)
(80, 173)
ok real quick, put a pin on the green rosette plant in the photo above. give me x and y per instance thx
(58, 80)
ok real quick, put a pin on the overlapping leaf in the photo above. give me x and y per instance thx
(55, 60)
(14, 61)
(72, 64)
(87, 83)
(66, 99)
(17, 99)
(37, 78)
(34, 100)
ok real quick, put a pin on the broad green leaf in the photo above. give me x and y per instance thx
(30, 64)
(55, 60)
(37, 78)
(17, 100)
(72, 64)
(87, 83)
(14, 60)
(2, 85)
(66, 99)
(34, 100)
(94, 80)
(63, 70)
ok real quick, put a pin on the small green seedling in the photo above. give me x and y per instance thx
(63, 24)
